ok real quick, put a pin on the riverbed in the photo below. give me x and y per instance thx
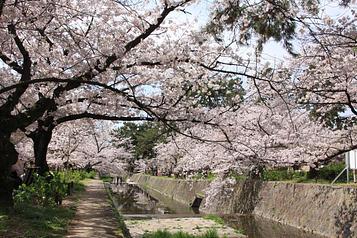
(146, 210)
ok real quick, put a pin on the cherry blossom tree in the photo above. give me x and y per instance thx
(277, 133)
(69, 58)
(325, 73)
(89, 144)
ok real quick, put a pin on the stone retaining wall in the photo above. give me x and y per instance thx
(184, 191)
(327, 210)
(324, 209)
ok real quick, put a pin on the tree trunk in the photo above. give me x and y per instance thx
(41, 139)
(8, 157)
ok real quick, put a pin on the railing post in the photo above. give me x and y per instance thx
(348, 165)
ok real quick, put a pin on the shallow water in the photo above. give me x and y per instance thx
(257, 227)
(133, 200)
(138, 203)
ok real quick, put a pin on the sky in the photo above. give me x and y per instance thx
(273, 51)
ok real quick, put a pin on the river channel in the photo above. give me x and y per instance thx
(136, 203)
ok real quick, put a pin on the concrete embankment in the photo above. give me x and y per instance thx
(184, 191)
(323, 209)
(327, 210)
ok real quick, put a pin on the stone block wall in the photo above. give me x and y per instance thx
(324, 209)
(184, 191)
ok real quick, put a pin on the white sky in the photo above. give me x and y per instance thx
(273, 51)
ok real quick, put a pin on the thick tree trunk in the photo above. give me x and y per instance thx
(41, 139)
(8, 157)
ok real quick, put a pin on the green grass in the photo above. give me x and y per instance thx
(106, 178)
(76, 175)
(219, 220)
(215, 218)
(323, 175)
(30, 221)
(200, 176)
(166, 234)
(240, 231)
(237, 176)
(210, 176)
(79, 186)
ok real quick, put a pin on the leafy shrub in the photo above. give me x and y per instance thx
(323, 174)
(49, 190)
(277, 174)
(330, 172)
(283, 174)
(44, 191)
(76, 175)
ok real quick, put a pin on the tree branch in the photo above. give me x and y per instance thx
(2, 3)
(100, 117)
(11, 63)
(13, 99)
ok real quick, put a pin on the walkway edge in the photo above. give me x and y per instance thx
(119, 217)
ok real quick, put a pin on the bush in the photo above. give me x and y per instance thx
(330, 172)
(76, 175)
(324, 174)
(44, 191)
(277, 174)
(49, 190)
(283, 174)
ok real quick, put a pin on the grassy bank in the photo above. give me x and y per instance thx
(166, 234)
(217, 219)
(31, 221)
(106, 178)
(324, 175)
(31, 218)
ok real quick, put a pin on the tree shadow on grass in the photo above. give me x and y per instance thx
(31, 221)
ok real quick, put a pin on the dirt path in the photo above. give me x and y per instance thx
(94, 216)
